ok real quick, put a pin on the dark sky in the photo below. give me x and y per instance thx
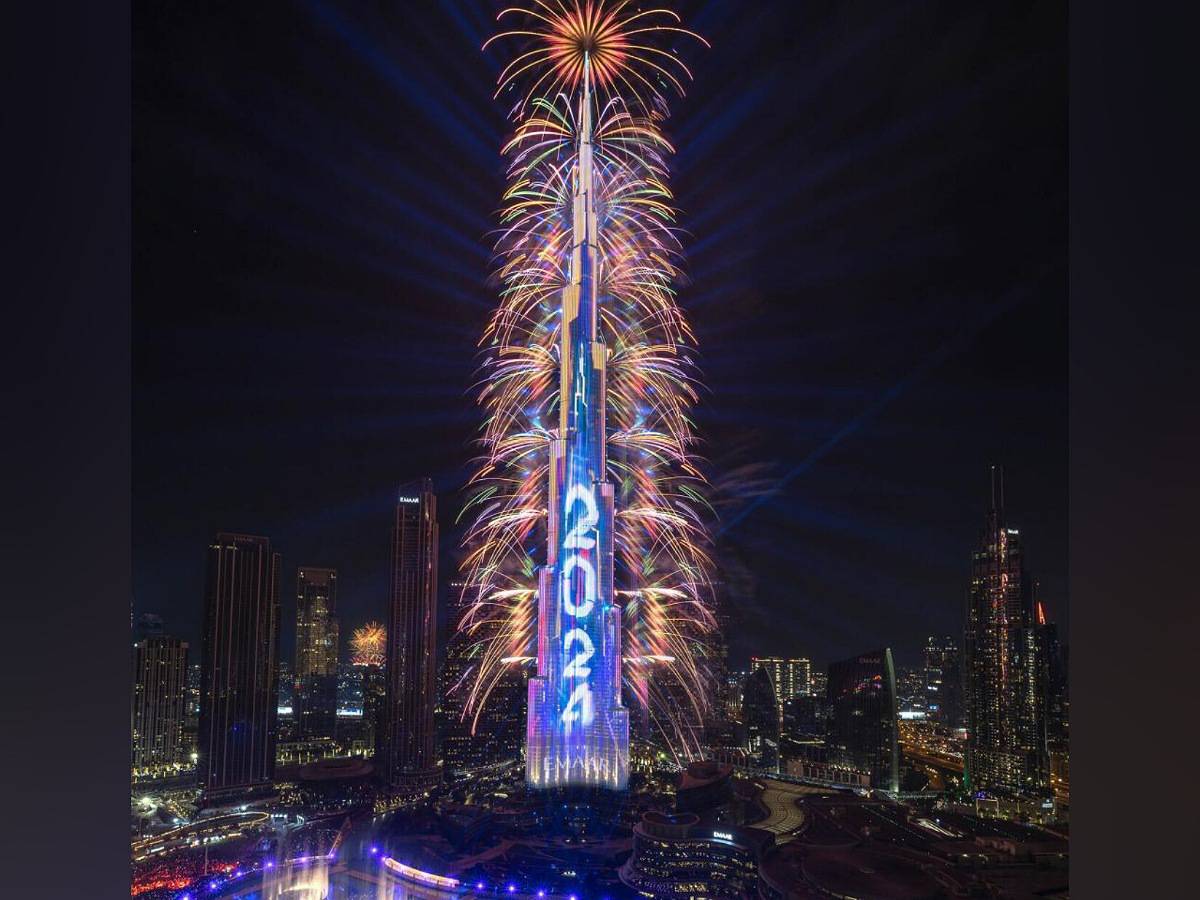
(876, 201)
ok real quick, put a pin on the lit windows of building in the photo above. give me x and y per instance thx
(160, 671)
(790, 677)
(1005, 704)
(314, 705)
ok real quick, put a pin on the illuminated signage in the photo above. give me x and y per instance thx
(578, 592)
(409, 500)
(723, 835)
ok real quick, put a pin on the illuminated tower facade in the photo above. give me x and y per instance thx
(943, 681)
(159, 703)
(863, 729)
(315, 698)
(409, 760)
(577, 730)
(239, 690)
(1006, 738)
(790, 677)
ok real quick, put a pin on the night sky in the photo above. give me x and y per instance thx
(876, 200)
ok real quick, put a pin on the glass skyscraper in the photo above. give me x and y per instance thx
(238, 686)
(761, 718)
(943, 681)
(315, 699)
(863, 731)
(408, 748)
(1006, 738)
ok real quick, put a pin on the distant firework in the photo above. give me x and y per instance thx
(587, 82)
(368, 646)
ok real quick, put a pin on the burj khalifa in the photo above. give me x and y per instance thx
(577, 731)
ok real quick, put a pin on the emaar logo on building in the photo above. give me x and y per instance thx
(409, 500)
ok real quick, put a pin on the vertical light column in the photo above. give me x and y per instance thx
(577, 731)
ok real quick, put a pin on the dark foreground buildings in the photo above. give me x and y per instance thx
(760, 718)
(863, 717)
(238, 688)
(1006, 733)
(496, 733)
(409, 761)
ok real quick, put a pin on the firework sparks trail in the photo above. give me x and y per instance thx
(601, 53)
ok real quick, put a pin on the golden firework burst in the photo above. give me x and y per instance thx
(368, 646)
(572, 38)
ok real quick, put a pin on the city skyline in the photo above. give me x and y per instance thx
(908, 654)
(624, 540)
(878, 503)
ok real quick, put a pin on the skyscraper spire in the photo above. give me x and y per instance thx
(589, 256)
(577, 730)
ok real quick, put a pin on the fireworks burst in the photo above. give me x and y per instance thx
(368, 646)
(611, 40)
(661, 542)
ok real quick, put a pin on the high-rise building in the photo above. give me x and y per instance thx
(160, 699)
(193, 691)
(1006, 738)
(374, 691)
(238, 681)
(314, 701)
(502, 720)
(1056, 704)
(457, 744)
(409, 760)
(911, 692)
(191, 722)
(718, 711)
(734, 683)
(820, 683)
(863, 728)
(760, 717)
(577, 731)
(495, 730)
(790, 677)
(1055, 686)
(943, 681)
